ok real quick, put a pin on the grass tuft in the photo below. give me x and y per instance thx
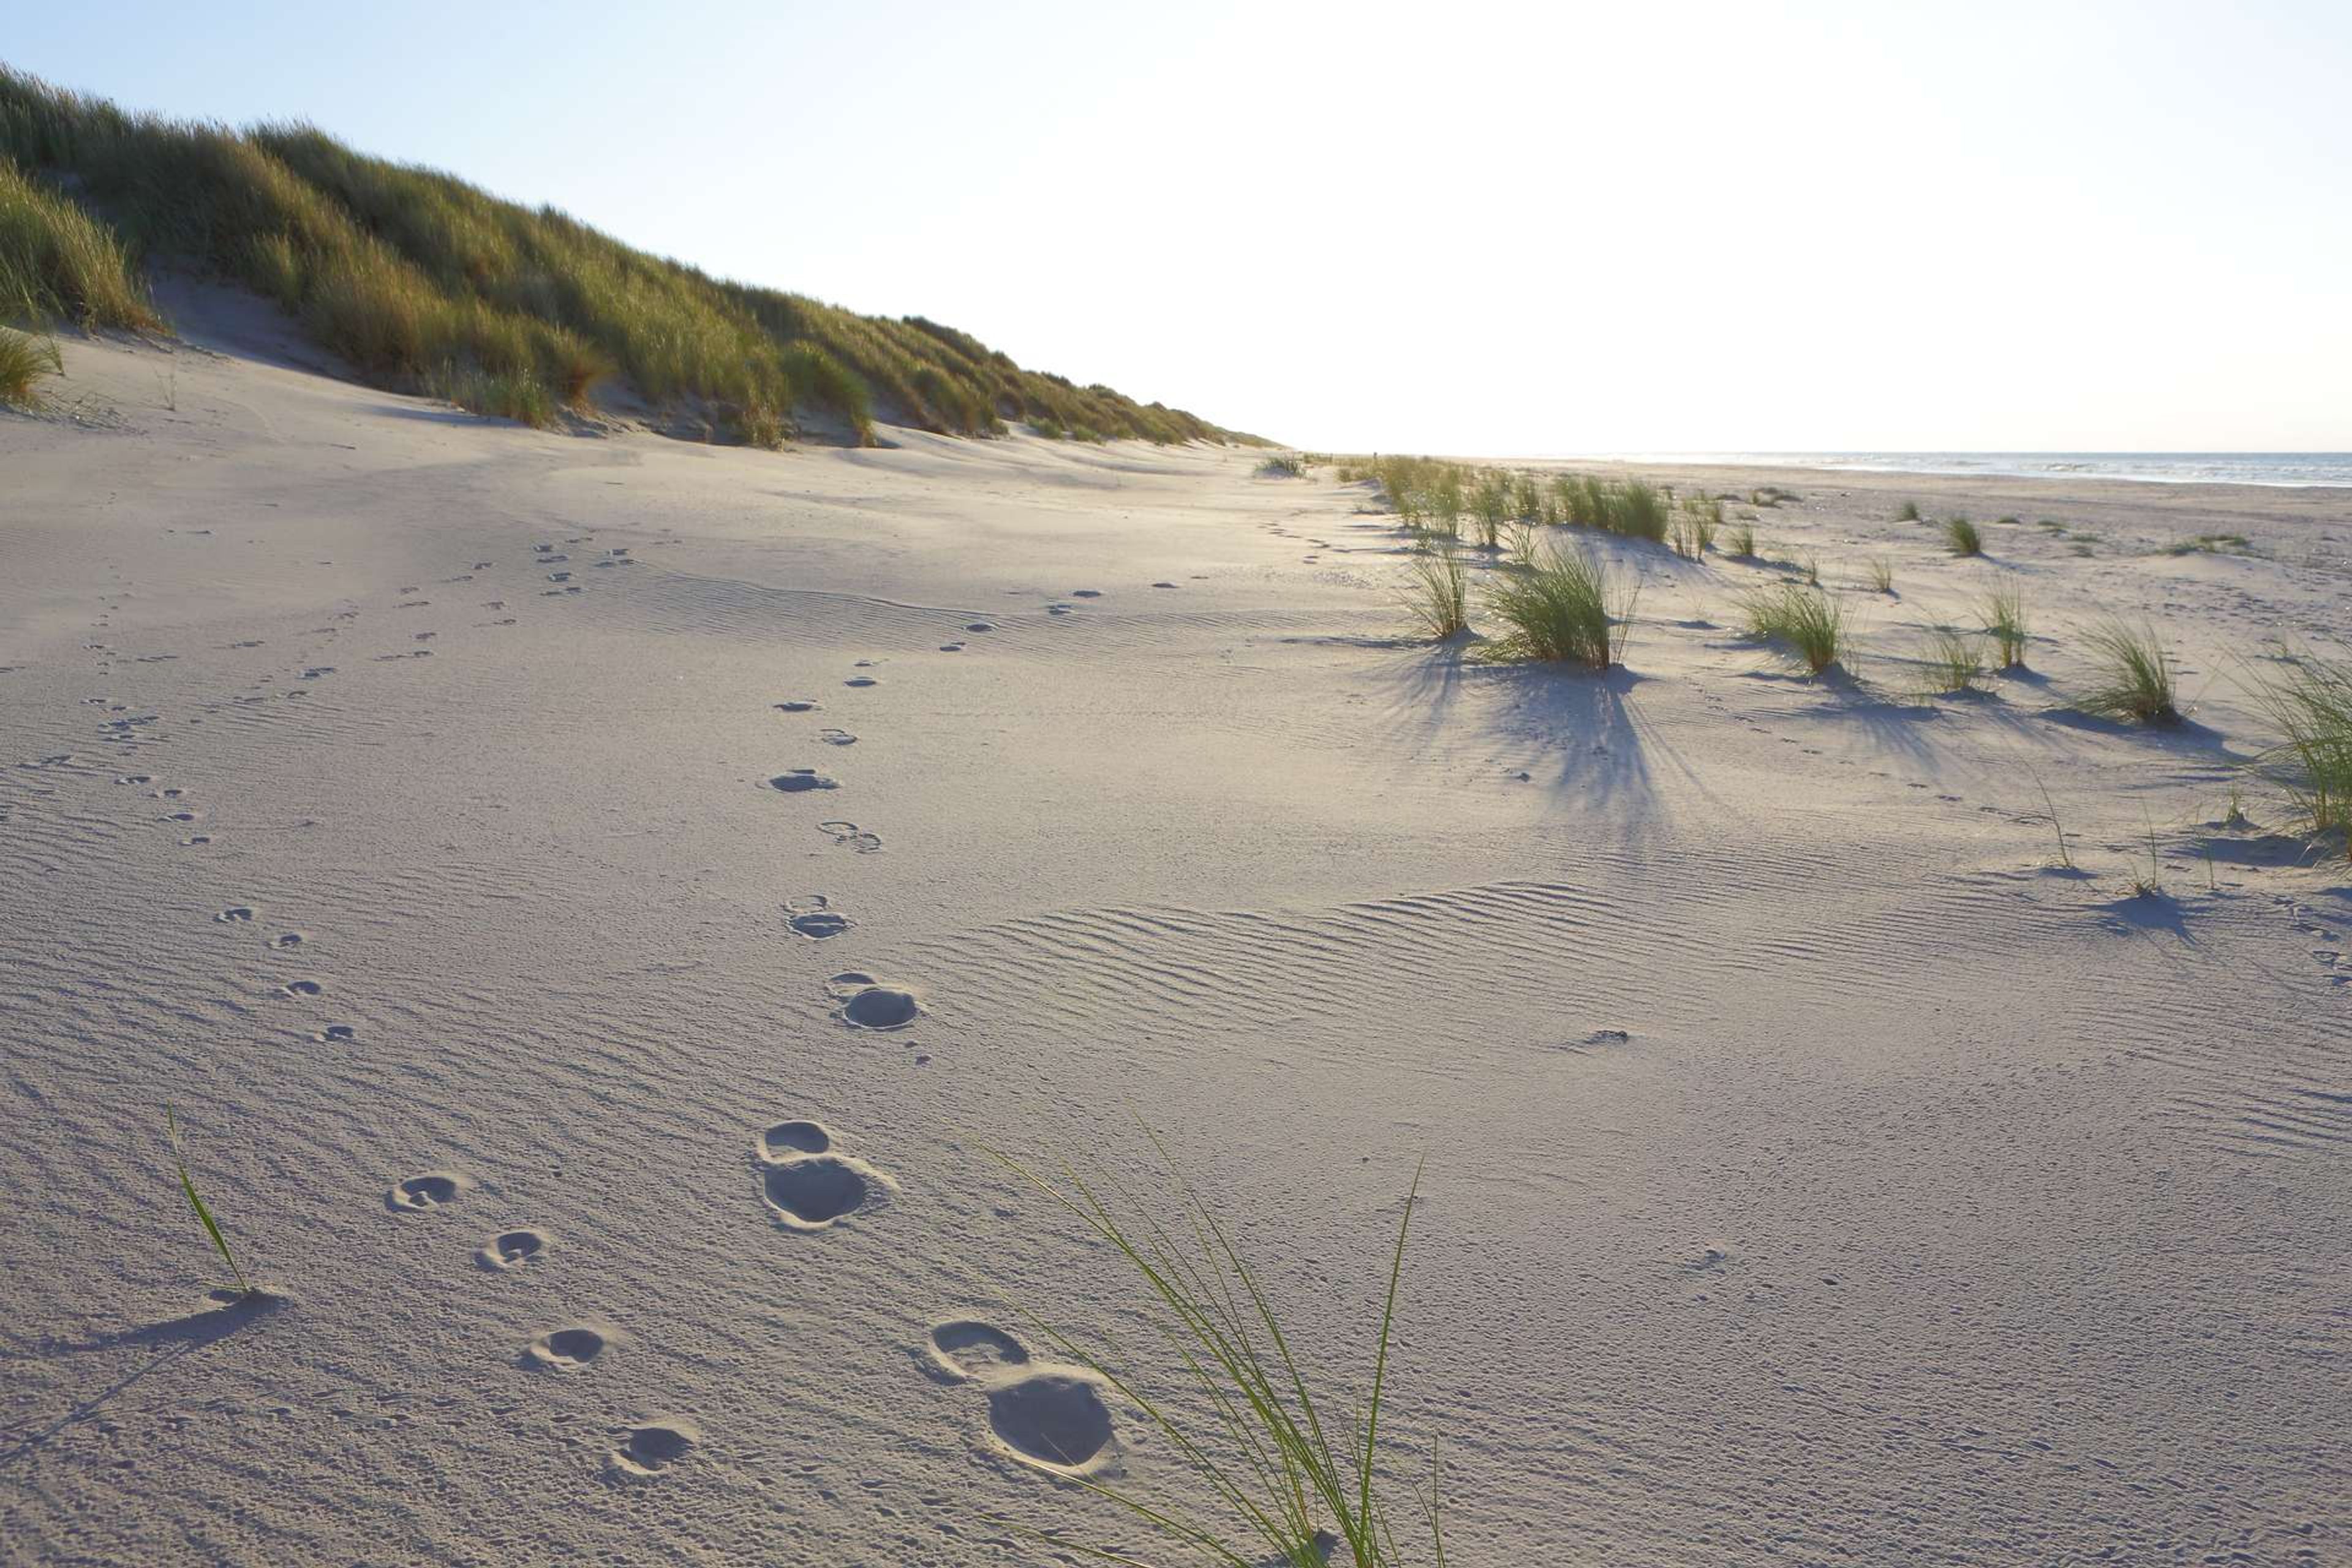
(1807, 626)
(1437, 592)
(2313, 708)
(2136, 675)
(1954, 662)
(26, 361)
(2002, 615)
(1287, 466)
(1739, 542)
(1907, 512)
(1961, 538)
(1296, 1480)
(1882, 574)
(1564, 608)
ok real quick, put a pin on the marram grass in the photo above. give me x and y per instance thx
(1437, 592)
(402, 270)
(1297, 1478)
(2134, 675)
(2312, 707)
(26, 361)
(1807, 627)
(2002, 614)
(1566, 608)
(1952, 661)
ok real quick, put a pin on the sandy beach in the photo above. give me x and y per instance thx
(591, 901)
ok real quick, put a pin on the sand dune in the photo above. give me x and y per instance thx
(589, 900)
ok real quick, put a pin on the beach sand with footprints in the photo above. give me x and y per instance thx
(591, 901)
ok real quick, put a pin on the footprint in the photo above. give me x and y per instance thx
(234, 913)
(798, 705)
(815, 918)
(1052, 1418)
(836, 737)
(980, 626)
(849, 836)
(788, 1139)
(1086, 592)
(287, 939)
(566, 1349)
(861, 680)
(868, 1004)
(815, 1192)
(1163, 585)
(800, 781)
(950, 648)
(430, 1191)
(336, 1034)
(514, 1249)
(649, 1447)
(304, 988)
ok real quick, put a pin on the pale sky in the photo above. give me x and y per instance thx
(1448, 227)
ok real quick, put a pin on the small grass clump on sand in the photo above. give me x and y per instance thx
(1519, 542)
(2002, 615)
(2136, 675)
(2056, 827)
(204, 1214)
(513, 395)
(1692, 533)
(1438, 592)
(1564, 608)
(1907, 512)
(1953, 663)
(1739, 542)
(1961, 538)
(1634, 508)
(2313, 708)
(2208, 544)
(1882, 574)
(1283, 466)
(1807, 626)
(26, 361)
(1296, 1479)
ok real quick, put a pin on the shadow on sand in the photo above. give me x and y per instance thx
(232, 1312)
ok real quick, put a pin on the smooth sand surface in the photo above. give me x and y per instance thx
(589, 899)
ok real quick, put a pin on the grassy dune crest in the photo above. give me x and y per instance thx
(419, 279)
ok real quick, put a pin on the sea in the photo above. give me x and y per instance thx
(2291, 470)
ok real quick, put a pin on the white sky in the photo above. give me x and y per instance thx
(1451, 226)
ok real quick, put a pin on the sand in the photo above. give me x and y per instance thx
(589, 898)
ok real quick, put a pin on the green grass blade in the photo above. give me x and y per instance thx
(188, 1186)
